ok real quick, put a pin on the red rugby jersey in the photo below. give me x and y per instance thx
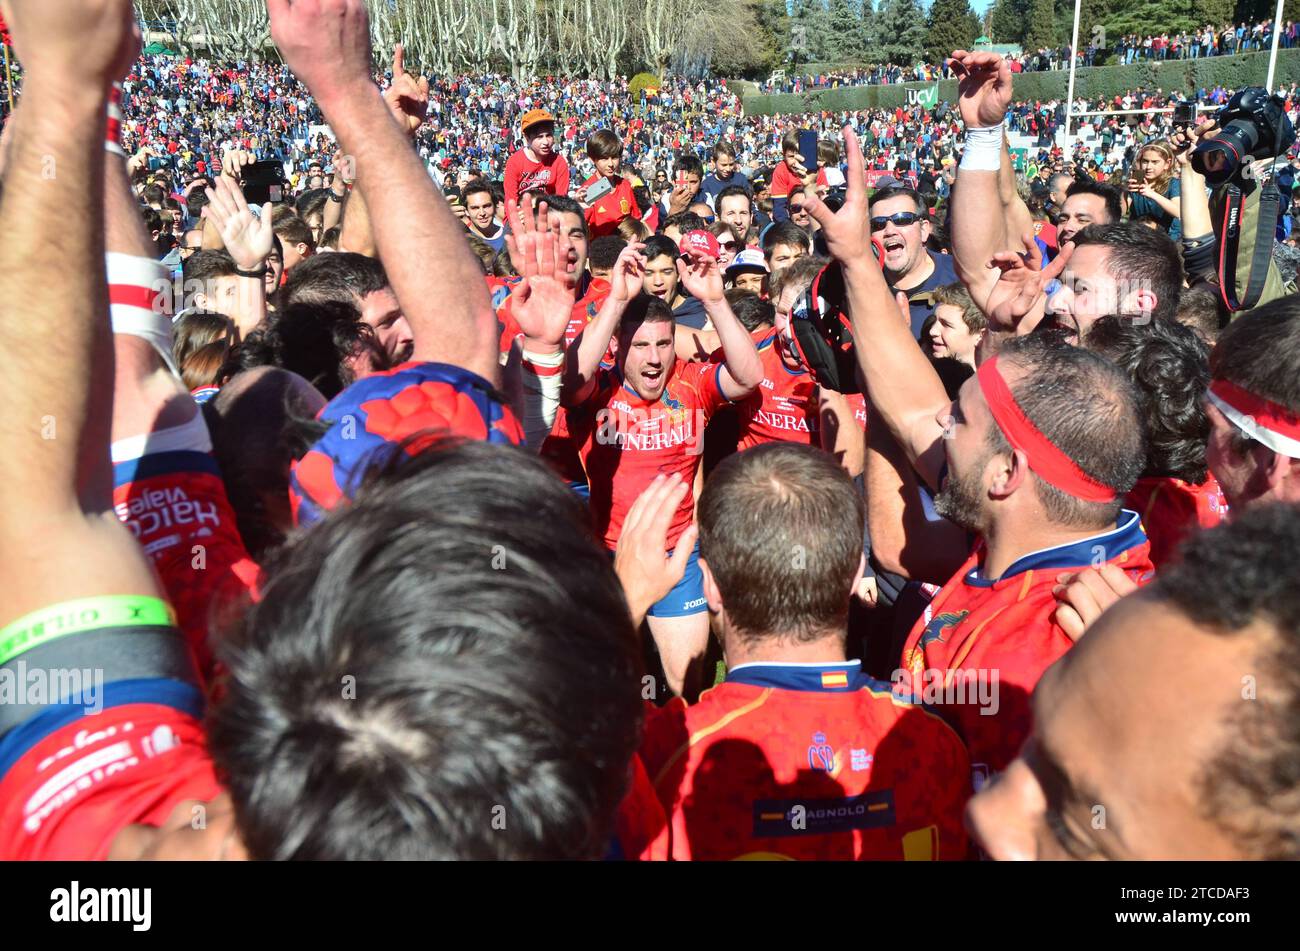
(625, 441)
(1004, 632)
(176, 506)
(69, 783)
(784, 407)
(1172, 509)
(807, 761)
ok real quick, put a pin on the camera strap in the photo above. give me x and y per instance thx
(1270, 206)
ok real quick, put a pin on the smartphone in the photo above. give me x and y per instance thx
(599, 189)
(1184, 114)
(263, 182)
(808, 149)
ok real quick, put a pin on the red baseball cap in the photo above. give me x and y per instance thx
(702, 242)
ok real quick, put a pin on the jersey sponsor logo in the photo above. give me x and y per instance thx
(788, 817)
(860, 760)
(793, 424)
(821, 756)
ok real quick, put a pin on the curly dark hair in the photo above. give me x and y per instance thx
(1170, 369)
(1228, 580)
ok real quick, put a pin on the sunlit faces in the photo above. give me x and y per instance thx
(784, 308)
(381, 311)
(781, 256)
(963, 495)
(735, 210)
(950, 337)
(647, 356)
(1078, 212)
(660, 278)
(1089, 291)
(904, 244)
(482, 210)
(724, 166)
(608, 167)
(576, 229)
(751, 281)
(1151, 164)
(541, 138)
(1118, 761)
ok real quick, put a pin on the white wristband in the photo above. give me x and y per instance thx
(983, 151)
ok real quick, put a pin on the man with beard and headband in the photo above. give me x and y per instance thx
(645, 416)
(1032, 459)
(1105, 266)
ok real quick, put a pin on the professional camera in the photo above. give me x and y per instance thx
(1254, 126)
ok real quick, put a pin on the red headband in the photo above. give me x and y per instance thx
(1046, 460)
(1267, 422)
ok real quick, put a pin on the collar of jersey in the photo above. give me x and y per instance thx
(806, 677)
(1126, 534)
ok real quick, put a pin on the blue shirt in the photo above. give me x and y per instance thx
(944, 273)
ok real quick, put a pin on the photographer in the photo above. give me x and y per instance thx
(1235, 155)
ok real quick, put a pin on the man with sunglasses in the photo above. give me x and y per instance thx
(899, 221)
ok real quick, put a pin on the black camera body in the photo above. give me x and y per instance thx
(1254, 125)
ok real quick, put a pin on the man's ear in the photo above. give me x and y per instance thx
(1010, 473)
(1279, 474)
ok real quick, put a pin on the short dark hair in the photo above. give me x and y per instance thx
(1170, 369)
(1227, 579)
(643, 309)
(898, 191)
(315, 340)
(1201, 308)
(685, 220)
(450, 650)
(751, 310)
(476, 186)
(293, 230)
(342, 276)
(658, 245)
(604, 252)
(1108, 193)
(208, 265)
(724, 147)
(732, 191)
(604, 144)
(1139, 254)
(956, 295)
(564, 205)
(781, 532)
(1087, 408)
(195, 202)
(689, 164)
(311, 202)
(787, 233)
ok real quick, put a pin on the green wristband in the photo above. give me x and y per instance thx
(85, 614)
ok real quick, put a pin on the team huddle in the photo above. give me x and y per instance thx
(575, 517)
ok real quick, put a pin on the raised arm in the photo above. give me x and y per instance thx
(900, 382)
(742, 370)
(435, 276)
(59, 539)
(587, 351)
(987, 215)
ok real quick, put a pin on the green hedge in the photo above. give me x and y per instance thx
(1185, 75)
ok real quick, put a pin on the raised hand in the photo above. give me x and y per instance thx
(702, 277)
(248, 238)
(646, 572)
(407, 97)
(1016, 302)
(628, 277)
(542, 301)
(983, 87)
(325, 42)
(76, 42)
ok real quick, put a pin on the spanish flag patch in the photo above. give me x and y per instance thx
(835, 678)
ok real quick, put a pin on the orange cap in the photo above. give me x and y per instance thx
(534, 116)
